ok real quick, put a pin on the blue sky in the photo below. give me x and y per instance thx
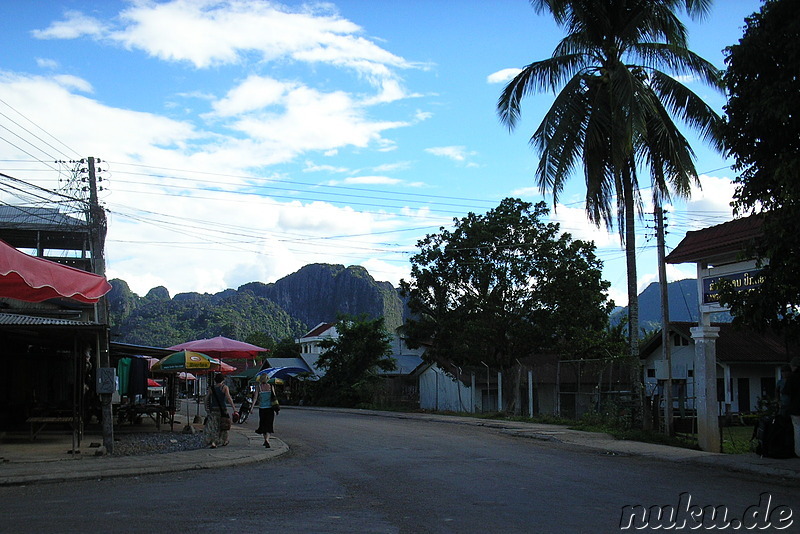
(242, 140)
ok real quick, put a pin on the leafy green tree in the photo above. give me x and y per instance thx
(286, 348)
(763, 134)
(352, 362)
(502, 286)
(614, 112)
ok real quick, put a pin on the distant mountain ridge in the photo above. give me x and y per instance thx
(288, 307)
(320, 292)
(297, 302)
(683, 305)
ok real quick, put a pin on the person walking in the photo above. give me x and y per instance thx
(792, 388)
(216, 402)
(268, 407)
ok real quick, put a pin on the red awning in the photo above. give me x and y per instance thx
(32, 279)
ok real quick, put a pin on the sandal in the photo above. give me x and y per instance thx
(212, 446)
(225, 443)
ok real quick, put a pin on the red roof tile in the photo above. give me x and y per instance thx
(716, 241)
(319, 329)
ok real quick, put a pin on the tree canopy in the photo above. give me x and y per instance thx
(502, 286)
(763, 134)
(352, 362)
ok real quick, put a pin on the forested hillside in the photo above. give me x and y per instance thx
(287, 308)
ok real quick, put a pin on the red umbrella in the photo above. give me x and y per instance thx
(224, 368)
(153, 384)
(222, 347)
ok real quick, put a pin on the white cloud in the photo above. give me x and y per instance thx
(574, 221)
(502, 76)
(455, 153)
(385, 271)
(74, 25)
(255, 93)
(391, 167)
(313, 167)
(526, 192)
(46, 63)
(207, 33)
(114, 133)
(714, 198)
(372, 180)
(73, 82)
(313, 120)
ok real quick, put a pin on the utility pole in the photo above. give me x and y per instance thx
(97, 229)
(662, 282)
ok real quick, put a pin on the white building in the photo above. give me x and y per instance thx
(748, 367)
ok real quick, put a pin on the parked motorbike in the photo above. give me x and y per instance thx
(244, 411)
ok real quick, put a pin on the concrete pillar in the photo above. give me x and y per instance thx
(530, 393)
(705, 387)
(726, 385)
(474, 406)
(500, 406)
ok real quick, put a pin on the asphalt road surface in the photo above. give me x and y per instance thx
(359, 473)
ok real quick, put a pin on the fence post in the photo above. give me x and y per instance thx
(474, 406)
(500, 391)
(530, 393)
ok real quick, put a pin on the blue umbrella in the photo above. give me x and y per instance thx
(281, 372)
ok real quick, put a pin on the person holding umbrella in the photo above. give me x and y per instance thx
(268, 407)
(216, 406)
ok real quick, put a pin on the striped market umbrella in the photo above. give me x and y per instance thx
(187, 360)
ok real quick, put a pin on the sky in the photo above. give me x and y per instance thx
(241, 140)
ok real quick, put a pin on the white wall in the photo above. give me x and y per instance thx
(683, 365)
(437, 391)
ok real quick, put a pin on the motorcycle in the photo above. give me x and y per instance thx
(244, 411)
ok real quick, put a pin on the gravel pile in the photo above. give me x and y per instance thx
(161, 442)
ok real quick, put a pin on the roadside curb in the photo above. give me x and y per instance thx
(244, 449)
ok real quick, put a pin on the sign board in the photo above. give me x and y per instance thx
(741, 281)
(106, 380)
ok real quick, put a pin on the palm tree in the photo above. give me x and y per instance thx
(614, 114)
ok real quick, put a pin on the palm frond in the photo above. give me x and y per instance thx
(684, 103)
(678, 60)
(541, 75)
(558, 139)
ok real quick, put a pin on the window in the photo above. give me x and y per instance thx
(651, 373)
(679, 341)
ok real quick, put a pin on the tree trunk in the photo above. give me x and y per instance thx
(637, 404)
(517, 390)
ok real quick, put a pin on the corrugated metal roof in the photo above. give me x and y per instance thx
(119, 348)
(734, 344)
(405, 365)
(13, 319)
(245, 373)
(717, 241)
(31, 218)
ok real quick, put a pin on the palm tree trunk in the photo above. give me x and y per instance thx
(637, 405)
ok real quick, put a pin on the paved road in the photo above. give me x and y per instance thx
(357, 473)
